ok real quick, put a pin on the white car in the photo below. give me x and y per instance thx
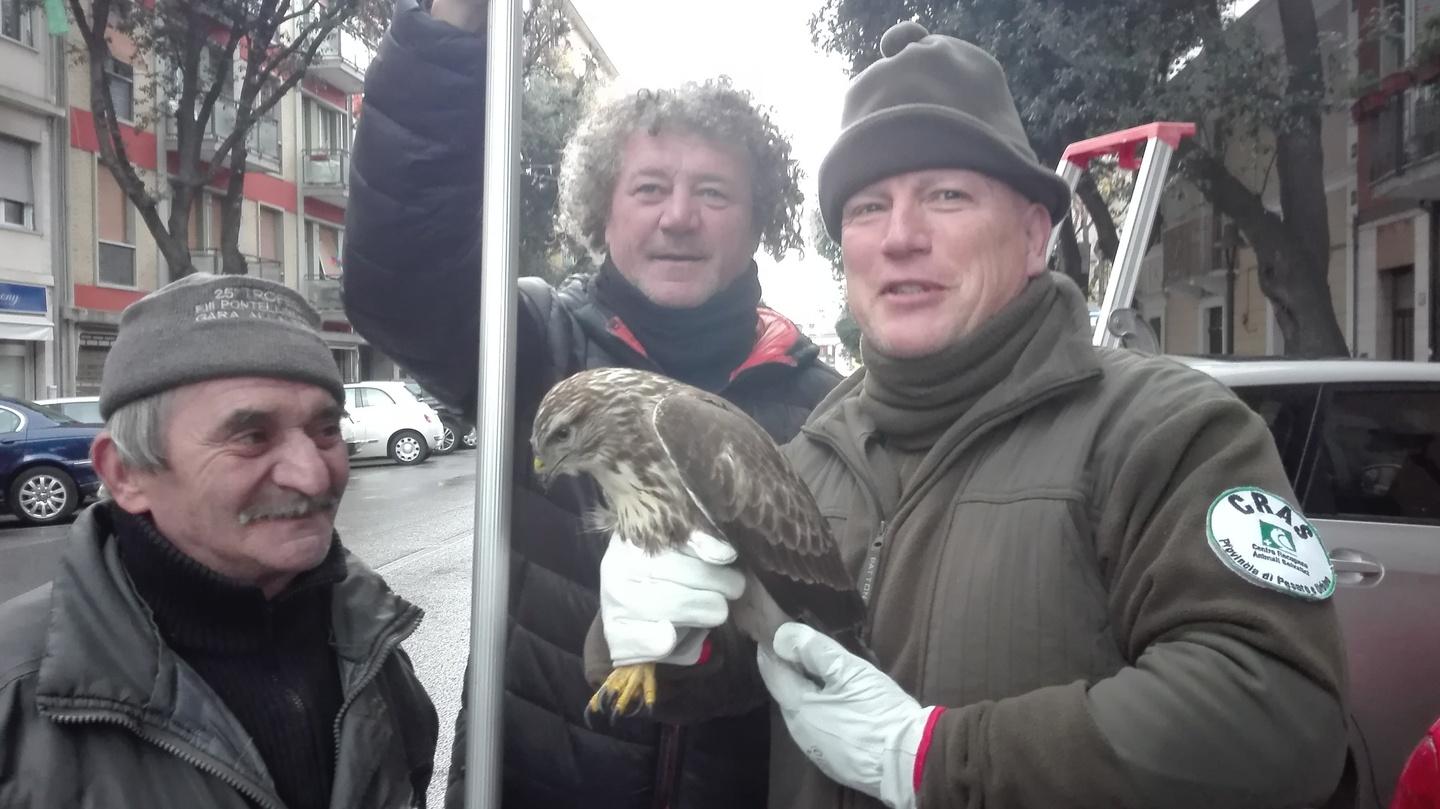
(81, 408)
(1360, 440)
(385, 420)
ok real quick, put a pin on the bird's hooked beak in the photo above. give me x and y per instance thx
(546, 473)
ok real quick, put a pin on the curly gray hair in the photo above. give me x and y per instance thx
(713, 109)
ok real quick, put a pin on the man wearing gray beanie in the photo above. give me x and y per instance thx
(1087, 581)
(207, 640)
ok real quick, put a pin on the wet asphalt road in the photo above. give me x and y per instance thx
(413, 524)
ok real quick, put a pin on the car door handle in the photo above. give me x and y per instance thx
(1354, 568)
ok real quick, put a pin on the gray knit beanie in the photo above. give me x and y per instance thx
(932, 102)
(214, 326)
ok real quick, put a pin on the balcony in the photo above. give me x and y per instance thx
(341, 61)
(1405, 144)
(263, 140)
(324, 295)
(326, 175)
(209, 260)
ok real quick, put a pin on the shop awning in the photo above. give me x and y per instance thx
(22, 327)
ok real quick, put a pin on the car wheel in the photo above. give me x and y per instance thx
(408, 447)
(447, 439)
(43, 495)
(468, 440)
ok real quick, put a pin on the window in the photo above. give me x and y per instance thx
(1400, 292)
(323, 252)
(272, 244)
(374, 397)
(1378, 455)
(10, 421)
(83, 412)
(1213, 339)
(17, 184)
(367, 397)
(1390, 22)
(91, 352)
(325, 128)
(15, 22)
(122, 88)
(116, 226)
(1288, 411)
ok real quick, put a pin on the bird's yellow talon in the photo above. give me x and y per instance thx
(627, 688)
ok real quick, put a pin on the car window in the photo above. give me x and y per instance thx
(1289, 411)
(352, 398)
(87, 412)
(374, 397)
(52, 412)
(1379, 455)
(9, 421)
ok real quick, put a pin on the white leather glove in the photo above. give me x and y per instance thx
(859, 727)
(659, 609)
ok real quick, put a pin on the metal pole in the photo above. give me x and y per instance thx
(495, 420)
(1134, 236)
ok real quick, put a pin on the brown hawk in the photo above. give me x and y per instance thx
(670, 459)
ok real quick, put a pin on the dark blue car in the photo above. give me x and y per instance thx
(45, 471)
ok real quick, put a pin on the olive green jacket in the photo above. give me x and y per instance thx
(95, 710)
(1046, 575)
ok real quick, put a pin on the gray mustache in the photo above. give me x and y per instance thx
(298, 506)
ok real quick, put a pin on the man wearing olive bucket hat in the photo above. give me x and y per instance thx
(1087, 582)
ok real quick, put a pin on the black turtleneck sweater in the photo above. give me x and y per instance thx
(699, 346)
(269, 660)
(914, 401)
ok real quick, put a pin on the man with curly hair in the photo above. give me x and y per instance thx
(677, 189)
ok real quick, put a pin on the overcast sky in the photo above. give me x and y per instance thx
(764, 46)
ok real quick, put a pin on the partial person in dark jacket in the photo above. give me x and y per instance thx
(208, 641)
(678, 189)
(1086, 580)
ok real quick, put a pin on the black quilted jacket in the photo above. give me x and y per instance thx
(412, 246)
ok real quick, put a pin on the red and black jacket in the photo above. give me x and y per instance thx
(411, 252)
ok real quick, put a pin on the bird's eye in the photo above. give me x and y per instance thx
(562, 434)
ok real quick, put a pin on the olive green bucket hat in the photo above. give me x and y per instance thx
(932, 101)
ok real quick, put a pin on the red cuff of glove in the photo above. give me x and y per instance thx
(923, 750)
(707, 648)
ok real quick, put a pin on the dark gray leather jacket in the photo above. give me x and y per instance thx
(95, 710)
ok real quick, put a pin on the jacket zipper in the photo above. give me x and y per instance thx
(872, 564)
(257, 797)
(871, 568)
(667, 775)
(376, 663)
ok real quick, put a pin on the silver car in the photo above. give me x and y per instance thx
(1361, 443)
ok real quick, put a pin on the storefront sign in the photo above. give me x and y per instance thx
(22, 298)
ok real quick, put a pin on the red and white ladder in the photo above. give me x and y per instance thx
(1159, 141)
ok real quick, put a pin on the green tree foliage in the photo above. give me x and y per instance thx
(1079, 68)
(558, 84)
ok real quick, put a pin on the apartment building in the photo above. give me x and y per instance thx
(32, 223)
(292, 214)
(1397, 122)
(296, 190)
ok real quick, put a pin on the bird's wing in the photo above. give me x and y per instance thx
(740, 480)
